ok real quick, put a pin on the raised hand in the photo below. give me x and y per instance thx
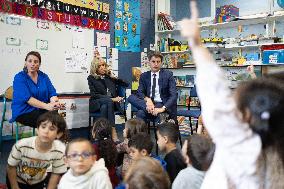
(190, 27)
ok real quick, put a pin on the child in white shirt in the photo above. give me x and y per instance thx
(85, 172)
(31, 157)
(247, 128)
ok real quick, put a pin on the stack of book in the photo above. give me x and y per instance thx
(165, 22)
(184, 125)
(185, 81)
(176, 60)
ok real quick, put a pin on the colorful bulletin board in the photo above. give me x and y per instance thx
(88, 14)
(127, 25)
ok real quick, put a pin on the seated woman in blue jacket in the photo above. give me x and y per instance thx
(33, 92)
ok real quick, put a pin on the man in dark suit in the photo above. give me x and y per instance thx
(156, 94)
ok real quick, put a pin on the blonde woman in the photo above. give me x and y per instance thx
(103, 88)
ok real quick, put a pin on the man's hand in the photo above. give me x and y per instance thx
(150, 107)
(117, 99)
(158, 110)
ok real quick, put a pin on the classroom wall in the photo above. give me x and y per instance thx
(127, 60)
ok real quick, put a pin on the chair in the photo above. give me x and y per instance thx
(8, 96)
(121, 91)
(134, 110)
(191, 113)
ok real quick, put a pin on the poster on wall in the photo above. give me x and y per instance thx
(127, 25)
(75, 62)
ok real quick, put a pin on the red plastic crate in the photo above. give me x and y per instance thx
(272, 47)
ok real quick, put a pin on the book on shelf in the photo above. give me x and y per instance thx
(180, 80)
(170, 61)
(183, 97)
(184, 125)
(176, 60)
(194, 102)
(185, 81)
(165, 22)
(189, 80)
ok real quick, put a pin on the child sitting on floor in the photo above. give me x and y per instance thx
(85, 172)
(104, 147)
(167, 137)
(132, 127)
(146, 173)
(31, 157)
(198, 152)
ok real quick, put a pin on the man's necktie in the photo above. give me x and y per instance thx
(153, 87)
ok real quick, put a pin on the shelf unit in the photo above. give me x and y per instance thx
(264, 19)
(173, 52)
(242, 22)
(244, 46)
(270, 22)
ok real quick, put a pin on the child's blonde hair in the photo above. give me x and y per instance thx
(147, 173)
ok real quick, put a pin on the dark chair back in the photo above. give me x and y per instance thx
(193, 92)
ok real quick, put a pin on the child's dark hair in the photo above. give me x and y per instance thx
(141, 141)
(102, 130)
(170, 130)
(79, 140)
(56, 120)
(200, 151)
(135, 126)
(263, 99)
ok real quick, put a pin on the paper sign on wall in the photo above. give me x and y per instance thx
(13, 41)
(75, 61)
(103, 39)
(41, 44)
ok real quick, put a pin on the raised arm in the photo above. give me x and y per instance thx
(237, 147)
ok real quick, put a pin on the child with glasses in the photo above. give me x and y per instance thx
(85, 172)
(31, 157)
